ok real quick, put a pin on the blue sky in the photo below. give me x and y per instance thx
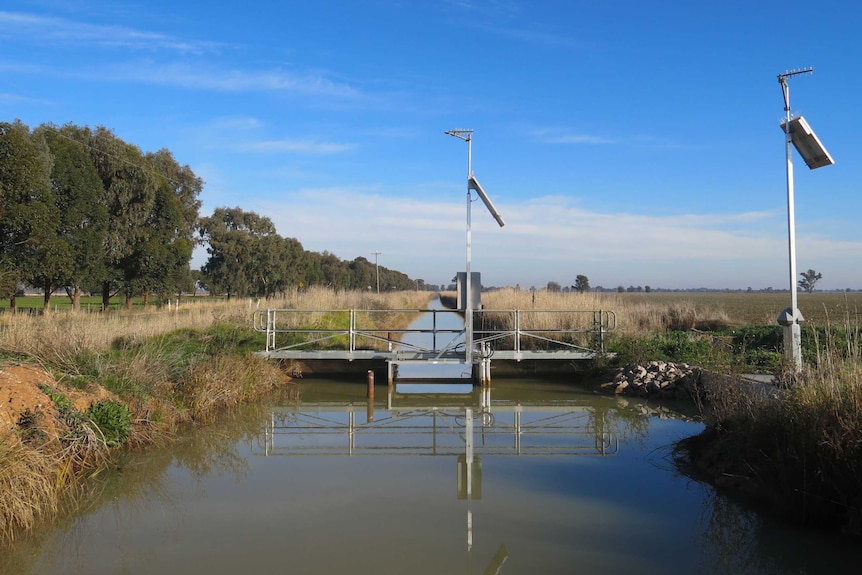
(634, 142)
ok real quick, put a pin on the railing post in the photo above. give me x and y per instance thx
(434, 330)
(270, 330)
(517, 330)
(601, 331)
(351, 326)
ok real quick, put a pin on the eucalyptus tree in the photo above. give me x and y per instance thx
(26, 204)
(277, 264)
(159, 260)
(336, 272)
(582, 283)
(809, 280)
(263, 270)
(363, 273)
(309, 269)
(73, 259)
(130, 190)
(232, 237)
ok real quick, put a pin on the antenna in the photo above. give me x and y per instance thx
(798, 72)
(782, 79)
(461, 133)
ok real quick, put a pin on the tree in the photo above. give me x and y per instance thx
(336, 273)
(554, 287)
(809, 279)
(582, 284)
(130, 187)
(235, 242)
(175, 220)
(158, 262)
(82, 218)
(27, 211)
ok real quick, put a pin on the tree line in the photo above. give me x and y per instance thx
(83, 211)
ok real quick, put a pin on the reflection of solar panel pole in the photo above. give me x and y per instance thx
(497, 561)
(798, 134)
(468, 449)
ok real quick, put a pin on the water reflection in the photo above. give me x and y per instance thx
(533, 478)
(420, 422)
(418, 425)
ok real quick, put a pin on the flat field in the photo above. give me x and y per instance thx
(761, 308)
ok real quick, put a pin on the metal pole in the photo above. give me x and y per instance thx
(795, 343)
(377, 270)
(468, 305)
(792, 332)
(467, 136)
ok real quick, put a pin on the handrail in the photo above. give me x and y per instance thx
(493, 325)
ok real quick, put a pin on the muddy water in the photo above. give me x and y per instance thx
(528, 478)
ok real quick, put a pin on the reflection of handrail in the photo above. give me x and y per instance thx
(511, 431)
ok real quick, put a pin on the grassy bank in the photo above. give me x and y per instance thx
(93, 384)
(799, 450)
(795, 450)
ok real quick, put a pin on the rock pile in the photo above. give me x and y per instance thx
(657, 378)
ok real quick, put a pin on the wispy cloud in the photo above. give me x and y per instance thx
(245, 134)
(569, 137)
(565, 136)
(506, 18)
(41, 29)
(424, 237)
(200, 77)
(291, 145)
(7, 98)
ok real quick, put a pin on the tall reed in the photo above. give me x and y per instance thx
(800, 448)
(634, 317)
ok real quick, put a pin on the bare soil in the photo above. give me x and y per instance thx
(21, 394)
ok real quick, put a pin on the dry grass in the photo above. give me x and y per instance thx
(204, 392)
(635, 316)
(54, 339)
(30, 484)
(799, 449)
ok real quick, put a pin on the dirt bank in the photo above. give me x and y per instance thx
(21, 394)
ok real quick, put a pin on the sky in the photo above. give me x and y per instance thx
(637, 143)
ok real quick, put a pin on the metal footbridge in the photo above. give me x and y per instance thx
(434, 337)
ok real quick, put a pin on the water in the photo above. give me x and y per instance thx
(322, 482)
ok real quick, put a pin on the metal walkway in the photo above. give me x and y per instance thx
(508, 335)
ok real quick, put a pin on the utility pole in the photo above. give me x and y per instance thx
(377, 269)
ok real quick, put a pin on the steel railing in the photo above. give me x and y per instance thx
(512, 330)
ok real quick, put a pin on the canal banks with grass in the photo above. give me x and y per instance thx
(187, 385)
(76, 390)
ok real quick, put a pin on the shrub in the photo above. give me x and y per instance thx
(114, 420)
(677, 346)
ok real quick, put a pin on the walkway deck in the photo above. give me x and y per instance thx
(502, 335)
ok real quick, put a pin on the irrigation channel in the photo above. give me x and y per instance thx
(526, 477)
